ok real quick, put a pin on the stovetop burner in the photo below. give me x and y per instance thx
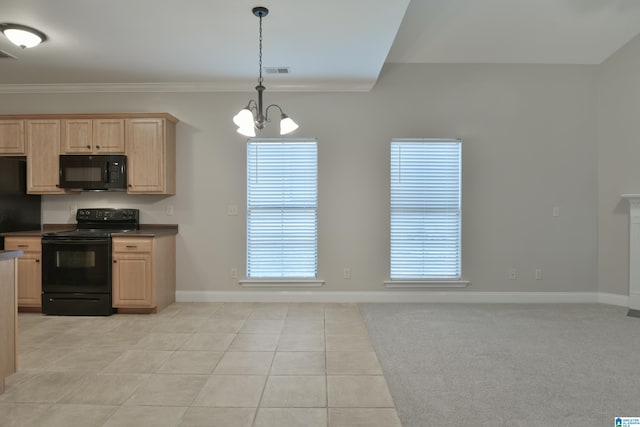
(101, 223)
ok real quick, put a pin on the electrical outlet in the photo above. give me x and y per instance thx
(234, 273)
(232, 210)
(513, 274)
(538, 274)
(73, 209)
(347, 273)
(556, 211)
(169, 210)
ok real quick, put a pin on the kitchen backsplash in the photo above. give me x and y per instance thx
(153, 209)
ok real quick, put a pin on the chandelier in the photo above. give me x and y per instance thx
(253, 116)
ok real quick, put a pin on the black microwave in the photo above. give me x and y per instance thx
(93, 173)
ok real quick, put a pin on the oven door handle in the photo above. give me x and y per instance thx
(76, 242)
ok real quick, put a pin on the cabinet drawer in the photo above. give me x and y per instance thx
(25, 244)
(132, 245)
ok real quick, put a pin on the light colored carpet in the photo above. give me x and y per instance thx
(508, 364)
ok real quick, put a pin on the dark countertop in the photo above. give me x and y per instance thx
(23, 233)
(10, 254)
(150, 230)
(146, 230)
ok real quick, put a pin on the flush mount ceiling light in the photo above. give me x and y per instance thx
(252, 116)
(22, 36)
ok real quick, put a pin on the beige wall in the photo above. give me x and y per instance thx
(529, 143)
(618, 163)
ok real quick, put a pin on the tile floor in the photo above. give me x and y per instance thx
(200, 364)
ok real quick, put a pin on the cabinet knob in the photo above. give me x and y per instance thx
(130, 185)
(88, 146)
(37, 260)
(98, 147)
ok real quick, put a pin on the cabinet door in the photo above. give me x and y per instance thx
(77, 136)
(29, 269)
(8, 320)
(29, 280)
(43, 165)
(108, 136)
(145, 148)
(12, 137)
(132, 280)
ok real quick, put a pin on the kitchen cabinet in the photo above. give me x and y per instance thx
(144, 273)
(150, 148)
(92, 136)
(12, 138)
(29, 269)
(148, 140)
(8, 317)
(43, 147)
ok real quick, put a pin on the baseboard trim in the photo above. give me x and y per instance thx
(401, 297)
(613, 299)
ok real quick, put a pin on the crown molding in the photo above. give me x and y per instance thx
(183, 87)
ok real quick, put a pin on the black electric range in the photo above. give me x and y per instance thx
(76, 264)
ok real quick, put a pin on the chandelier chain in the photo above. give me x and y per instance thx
(260, 54)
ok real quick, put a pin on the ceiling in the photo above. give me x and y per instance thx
(334, 45)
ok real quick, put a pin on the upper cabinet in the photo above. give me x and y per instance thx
(43, 166)
(108, 135)
(92, 136)
(12, 138)
(148, 140)
(151, 156)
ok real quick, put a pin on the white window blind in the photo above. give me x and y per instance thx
(282, 208)
(426, 209)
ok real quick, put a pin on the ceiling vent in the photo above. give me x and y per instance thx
(4, 54)
(277, 70)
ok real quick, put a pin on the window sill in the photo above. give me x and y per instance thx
(289, 283)
(427, 283)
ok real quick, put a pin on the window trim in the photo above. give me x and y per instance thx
(403, 283)
(277, 283)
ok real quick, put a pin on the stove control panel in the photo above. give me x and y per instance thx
(108, 215)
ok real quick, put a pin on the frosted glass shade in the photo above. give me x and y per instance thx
(287, 125)
(244, 119)
(247, 131)
(22, 38)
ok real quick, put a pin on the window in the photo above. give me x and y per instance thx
(425, 209)
(282, 208)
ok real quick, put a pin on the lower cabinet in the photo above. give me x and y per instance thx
(144, 272)
(29, 270)
(8, 319)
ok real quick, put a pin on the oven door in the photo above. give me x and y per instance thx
(76, 265)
